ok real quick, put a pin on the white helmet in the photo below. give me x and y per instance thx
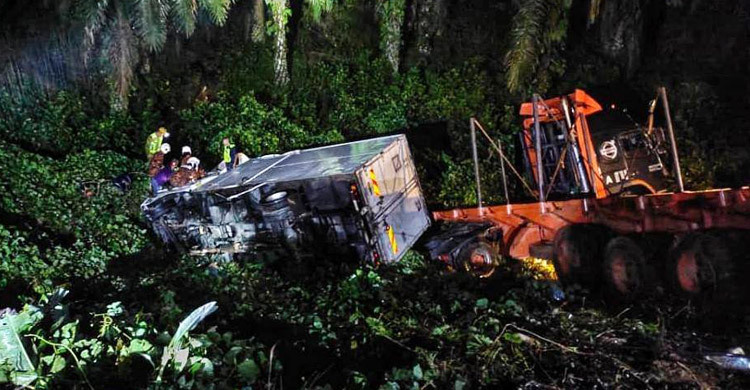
(165, 148)
(186, 149)
(193, 163)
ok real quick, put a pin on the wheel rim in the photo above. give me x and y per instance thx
(480, 263)
(687, 272)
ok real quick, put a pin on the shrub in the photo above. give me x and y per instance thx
(255, 128)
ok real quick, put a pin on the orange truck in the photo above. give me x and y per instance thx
(602, 211)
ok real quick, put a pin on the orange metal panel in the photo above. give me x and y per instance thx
(582, 102)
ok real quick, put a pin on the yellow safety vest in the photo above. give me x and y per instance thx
(153, 143)
(228, 153)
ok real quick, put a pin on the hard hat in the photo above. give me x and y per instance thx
(165, 148)
(163, 132)
(193, 163)
(186, 149)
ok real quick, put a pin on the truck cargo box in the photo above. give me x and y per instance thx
(359, 197)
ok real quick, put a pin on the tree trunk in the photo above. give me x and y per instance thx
(279, 16)
(391, 18)
(426, 24)
(259, 21)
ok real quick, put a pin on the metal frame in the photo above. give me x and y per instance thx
(670, 213)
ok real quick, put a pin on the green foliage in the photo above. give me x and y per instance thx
(67, 122)
(363, 97)
(185, 11)
(319, 7)
(49, 192)
(538, 27)
(151, 23)
(248, 69)
(68, 351)
(47, 124)
(702, 146)
(280, 16)
(457, 93)
(255, 128)
(217, 9)
(22, 261)
(456, 184)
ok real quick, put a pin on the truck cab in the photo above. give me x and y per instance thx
(587, 149)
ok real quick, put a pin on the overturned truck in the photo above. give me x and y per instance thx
(360, 198)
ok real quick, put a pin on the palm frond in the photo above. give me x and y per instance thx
(184, 12)
(217, 9)
(151, 23)
(526, 41)
(92, 13)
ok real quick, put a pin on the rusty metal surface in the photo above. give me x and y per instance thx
(524, 225)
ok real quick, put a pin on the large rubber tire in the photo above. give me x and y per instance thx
(623, 270)
(577, 254)
(699, 266)
(479, 259)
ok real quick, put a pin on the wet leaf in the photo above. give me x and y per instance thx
(248, 371)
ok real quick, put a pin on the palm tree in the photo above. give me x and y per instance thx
(538, 26)
(122, 29)
(280, 13)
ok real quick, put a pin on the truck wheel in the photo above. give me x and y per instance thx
(577, 251)
(479, 259)
(699, 265)
(623, 270)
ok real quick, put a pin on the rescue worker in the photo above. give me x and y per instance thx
(163, 176)
(157, 164)
(186, 154)
(154, 141)
(157, 160)
(239, 159)
(228, 152)
(189, 172)
(193, 163)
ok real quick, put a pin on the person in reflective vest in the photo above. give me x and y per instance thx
(228, 152)
(153, 142)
